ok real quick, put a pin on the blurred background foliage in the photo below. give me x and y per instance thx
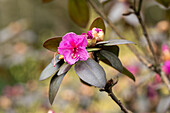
(26, 24)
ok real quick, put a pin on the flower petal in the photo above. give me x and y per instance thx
(82, 42)
(68, 56)
(83, 54)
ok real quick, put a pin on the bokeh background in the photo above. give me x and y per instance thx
(26, 24)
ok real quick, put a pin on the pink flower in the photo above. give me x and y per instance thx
(166, 67)
(89, 34)
(73, 48)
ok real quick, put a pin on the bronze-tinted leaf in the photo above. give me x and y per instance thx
(50, 69)
(79, 12)
(98, 23)
(52, 43)
(64, 68)
(128, 73)
(54, 86)
(91, 72)
(115, 42)
(113, 59)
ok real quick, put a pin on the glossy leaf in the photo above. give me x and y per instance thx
(50, 69)
(93, 49)
(115, 42)
(114, 49)
(98, 23)
(54, 86)
(128, 73)
(79, 12)
(91, 72)
(52, 43)
(64, 68)
(165, 3)
(85, 82)
(113, 59)
(102, 42)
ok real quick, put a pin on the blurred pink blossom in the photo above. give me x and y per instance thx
(133, 69)
(157, 79)
(51, 111)
(166, 67)
(165, 47)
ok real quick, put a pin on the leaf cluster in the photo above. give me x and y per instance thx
(90, 71)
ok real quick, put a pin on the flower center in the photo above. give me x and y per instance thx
(75, 50)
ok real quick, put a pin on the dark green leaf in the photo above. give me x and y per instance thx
(98, 23)
(85, 82)
(113, 49)
(46, 1)
(102, 42)
(52, 43)
(93, 49)
(64, 68)
(54, 86)
(50, 69)
(113, 59)
(128, 73)
(79, 12)
(165, 3)
(115, 42)
(91, 72)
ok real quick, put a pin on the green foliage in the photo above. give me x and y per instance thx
(128, 73)
(93, 49)
(54, 86)
(115, 42)
(52, 43)
(79, 12)
(51, 69)
(64, 68)
(98, 23)
(91, 72)
(113, 59)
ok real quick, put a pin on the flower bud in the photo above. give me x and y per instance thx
(98, 34)
(91, 42)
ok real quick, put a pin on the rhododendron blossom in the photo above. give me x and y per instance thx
(73, 48)
(88, 34)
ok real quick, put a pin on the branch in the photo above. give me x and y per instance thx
(157, 65)
(134, 50)
(108, 88)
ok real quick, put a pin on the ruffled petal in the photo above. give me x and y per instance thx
(83, 54)
(82, 42)
(69, 59)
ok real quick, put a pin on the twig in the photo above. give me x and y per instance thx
(157, 65)
(138, 15)
(165, 79)
(134, 50)
(108, 88)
